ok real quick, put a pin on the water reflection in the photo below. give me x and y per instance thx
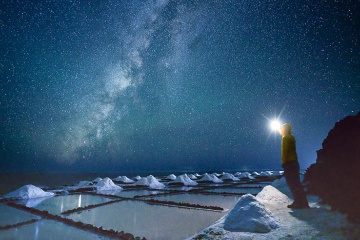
(59, 204)
(62, 205)
(33, 202)
(150, 221)
(79, 201)
(36, 230)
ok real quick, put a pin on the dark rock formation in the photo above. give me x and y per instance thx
(335, 177)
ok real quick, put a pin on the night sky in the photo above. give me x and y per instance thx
(172, 85)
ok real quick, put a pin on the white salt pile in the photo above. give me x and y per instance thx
(192, 177)
(229, 176)
(253, 218)
(83, 184)
(250, 215)
(184, 179)
(97, 180)
(151, 182)
(245, 175)
(280, 185)
(27, 192)
(271, 195)
(265, 174)
(106, 184)
(123, 179)
(210, 178)
(171, 177)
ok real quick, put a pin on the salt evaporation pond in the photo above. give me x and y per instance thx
(47, 229)
(150, 221)
(236, 190)
(11, 215)
(133, 193)
(59, 204)
(226, 202)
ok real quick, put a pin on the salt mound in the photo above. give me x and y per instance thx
(278, 173)
(27, 192)
(272, 195)
(106, 184)
(184, 179)
(83, 184)
(151, 182)
(123, 179)
(281, 185)
(265, 174)
(250, 215)
(210, 178)
(229, 176)
(97, 180)
(245, 175)
(171, 177)
(192, 177)
(137, 177)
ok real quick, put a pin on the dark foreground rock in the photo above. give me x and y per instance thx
(335, 177)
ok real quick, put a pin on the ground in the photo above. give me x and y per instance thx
(317, 222)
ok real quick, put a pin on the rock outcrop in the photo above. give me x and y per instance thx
(335, 177)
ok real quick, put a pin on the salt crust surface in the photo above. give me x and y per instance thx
(317, 222)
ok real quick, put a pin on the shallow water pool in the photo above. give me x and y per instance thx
(150, 221)
(47, 229)
(59, 204)
(226, 202)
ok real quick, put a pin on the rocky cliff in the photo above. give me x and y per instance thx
(335, 177)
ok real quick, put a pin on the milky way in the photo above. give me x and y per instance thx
(172, 85)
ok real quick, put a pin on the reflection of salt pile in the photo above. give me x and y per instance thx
(210, 178)
(250, 215)
(184, 179)
(123, 179)
(106, 184)
(150, 181)
(27, 192)
(228, 176)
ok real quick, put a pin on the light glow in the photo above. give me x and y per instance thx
(275, 125)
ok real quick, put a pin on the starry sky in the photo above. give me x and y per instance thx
(162, 85)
